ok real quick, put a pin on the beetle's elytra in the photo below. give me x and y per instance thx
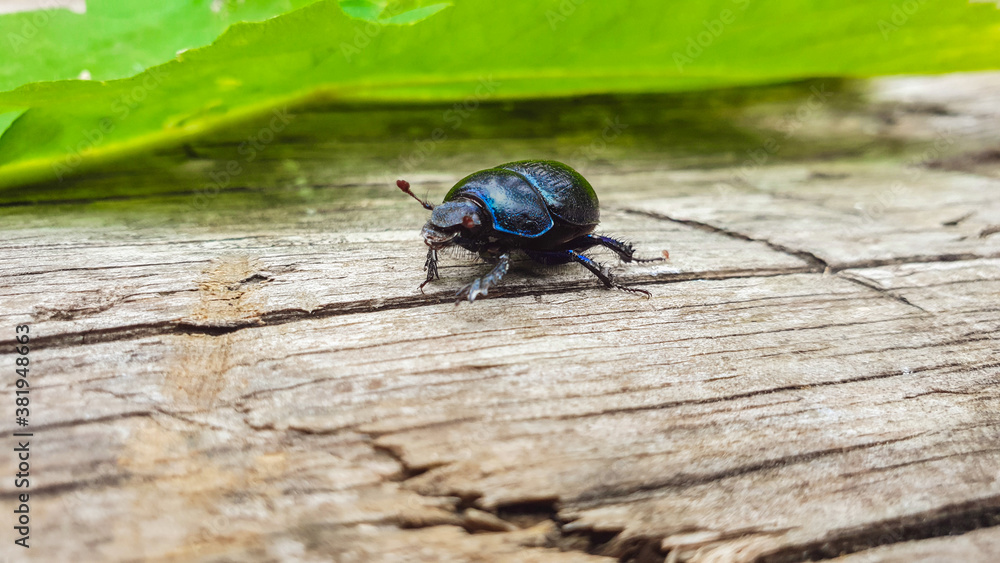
(542, 208)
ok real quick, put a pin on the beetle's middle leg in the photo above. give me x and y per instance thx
(481, 286)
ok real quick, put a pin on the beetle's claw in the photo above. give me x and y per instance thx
(643, 292)
(431, 265)
(475, 289)
(613, 283)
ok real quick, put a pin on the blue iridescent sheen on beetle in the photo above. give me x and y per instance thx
(542, 208)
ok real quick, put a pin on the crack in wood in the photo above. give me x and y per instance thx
(865, 282)
(957, 220)
(674, 404)
(519, 515)
(283, 316)
(78, 422)
(917, 461)
(612, 495)
(509, 516)
(73, 486)
(915, 259)
(406, 471)
(658, 406)
(642, 548)
(949, 520)
(817, 263)
(97, 268)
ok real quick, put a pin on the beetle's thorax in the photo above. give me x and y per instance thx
(449, 220)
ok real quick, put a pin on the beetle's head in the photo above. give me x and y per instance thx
(448, 220)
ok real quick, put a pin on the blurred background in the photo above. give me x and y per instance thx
(216, 112)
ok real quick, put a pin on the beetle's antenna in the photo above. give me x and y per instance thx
(405, 186)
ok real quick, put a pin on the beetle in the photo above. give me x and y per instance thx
(542, 208)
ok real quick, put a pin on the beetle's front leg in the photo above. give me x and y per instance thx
(481, 286)
(431, 265)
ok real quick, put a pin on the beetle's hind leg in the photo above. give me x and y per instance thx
(481, 286)
(602, 273)
(623, 249)
(431, 265)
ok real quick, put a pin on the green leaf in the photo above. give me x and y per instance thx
(368, 10)
(393, 13)
(7, 118)
(415, 15)
(479, 50)
(116, 39)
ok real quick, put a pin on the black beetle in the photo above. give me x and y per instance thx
(541, 207)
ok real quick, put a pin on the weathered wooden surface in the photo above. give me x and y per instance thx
(815, 376)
